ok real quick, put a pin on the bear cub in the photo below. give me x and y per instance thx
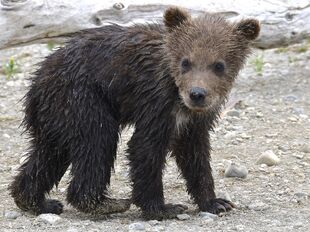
(169, 80)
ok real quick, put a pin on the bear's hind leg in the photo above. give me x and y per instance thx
(43, 169)
(93, 153)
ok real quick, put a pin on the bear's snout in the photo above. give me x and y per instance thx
(197, 96)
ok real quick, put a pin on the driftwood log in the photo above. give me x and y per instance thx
(33, 21)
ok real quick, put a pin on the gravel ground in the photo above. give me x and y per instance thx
(268, 113)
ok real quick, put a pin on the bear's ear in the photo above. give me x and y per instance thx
(249, 28)
(174, 17)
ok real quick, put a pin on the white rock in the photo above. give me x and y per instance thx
(49, 218)
(72, 230)
(207, 215)
(233, 113)
(183, 216)
(305, 148)
(268, 157)
(153, 222)
(11, 214)
(5, 168)
(223, 195)
(258, 206)
(234, 170)
(6, 136)
(136, 226)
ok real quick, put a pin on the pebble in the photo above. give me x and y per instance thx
(153, 222)
(223, 195)
(207, 215)
(298, 156)
(183, 216)
(258, 206)
(11, 214)
(71, 229)
(136, 226)
(6, 136)
(291, 98)
(283, 148)
(259, 115)
(234, 170)
(49, 218)
(305, 148)
(292, 119)
(245, 136)
(268, 157)
(118, 6)
(301, 195)
(233, 113)
(5, 168)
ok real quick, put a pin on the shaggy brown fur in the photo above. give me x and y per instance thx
(169, 81)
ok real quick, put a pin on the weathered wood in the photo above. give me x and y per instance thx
(33, 21)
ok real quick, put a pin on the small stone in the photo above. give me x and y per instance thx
(291, 98)
(206, 215)
(271, 135)
(245, 136)
(292, 119)
(72, 230)
(283, 148)
(11, 214)
(259, 115)
(136, 226)
(223, 195)
(305, 148)
(5, 168)
(301, 195)
(234, 170)
(118, 6)
(298, 156)
(183, 216)
(233, 113)
(6, 136)
(49, 218)
(268, 157)
(153, 222)
(258, 206)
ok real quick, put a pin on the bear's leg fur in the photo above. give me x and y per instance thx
(147, 154)
(43, 169)
(191, 151)
(93, 151)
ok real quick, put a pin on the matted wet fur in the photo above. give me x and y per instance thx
(169, 81)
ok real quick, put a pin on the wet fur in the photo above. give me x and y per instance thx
(101, 81)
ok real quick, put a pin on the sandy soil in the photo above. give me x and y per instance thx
(269, 110)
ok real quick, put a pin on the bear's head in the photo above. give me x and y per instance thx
(206, 54)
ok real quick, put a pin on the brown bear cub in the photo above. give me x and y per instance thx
(169, 81)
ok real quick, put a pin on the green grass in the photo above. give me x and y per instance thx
(282, 50)
(258, 63)
(302, 49)
(50, 46)
(10, 68)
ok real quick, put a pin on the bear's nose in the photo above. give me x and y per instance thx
(198, 95)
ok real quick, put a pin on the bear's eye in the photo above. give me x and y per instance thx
(219, 68)
(185, 65)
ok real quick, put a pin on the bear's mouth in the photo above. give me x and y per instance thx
(207, 105)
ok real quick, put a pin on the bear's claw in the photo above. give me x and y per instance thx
(168, 212)
(219, 205)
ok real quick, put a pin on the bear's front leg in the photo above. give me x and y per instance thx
(147, 153)
(192, 152)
